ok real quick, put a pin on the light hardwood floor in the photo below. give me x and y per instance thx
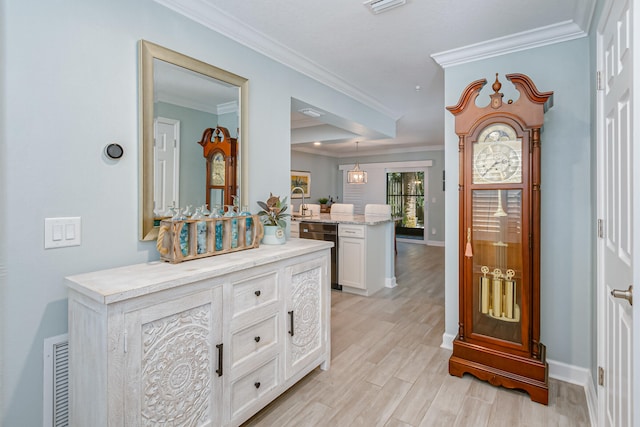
(388, 368)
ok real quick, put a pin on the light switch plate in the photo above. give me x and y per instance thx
(62, 232)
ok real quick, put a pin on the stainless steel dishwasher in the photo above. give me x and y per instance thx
(327, 232)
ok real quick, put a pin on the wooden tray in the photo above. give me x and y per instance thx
(170, 249)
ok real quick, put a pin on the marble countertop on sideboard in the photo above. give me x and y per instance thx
(122, 283)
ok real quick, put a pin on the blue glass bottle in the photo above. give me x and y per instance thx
(184, 232)
(201, 232)
(248, 235)
(231, 213)
(215, 213)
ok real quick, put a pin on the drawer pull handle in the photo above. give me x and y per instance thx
(219, 370)
(291, 318)
(257, 293)
(257, 384)
(257, 339)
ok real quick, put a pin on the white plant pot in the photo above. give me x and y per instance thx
(273, 235)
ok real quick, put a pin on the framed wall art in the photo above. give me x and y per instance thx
(301, 179)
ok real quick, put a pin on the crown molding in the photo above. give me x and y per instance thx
(543, 36)
(369, 152)
(221, 22)
(227, 107)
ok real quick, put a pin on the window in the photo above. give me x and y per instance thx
(405, 194)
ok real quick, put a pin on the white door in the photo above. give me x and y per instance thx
(166, 164)
(616, 250)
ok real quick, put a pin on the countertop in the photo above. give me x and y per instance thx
(344, 219)
(118, 284)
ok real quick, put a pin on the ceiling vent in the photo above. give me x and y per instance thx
(379, 6)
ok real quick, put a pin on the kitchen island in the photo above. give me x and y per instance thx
(365, 250)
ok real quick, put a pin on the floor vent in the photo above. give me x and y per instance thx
(56, 381)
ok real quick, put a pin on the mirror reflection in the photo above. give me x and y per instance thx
(192, 120)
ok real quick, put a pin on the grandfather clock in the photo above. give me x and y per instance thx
(220, 152)
(499, 290)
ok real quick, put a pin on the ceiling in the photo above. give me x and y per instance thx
(390, 61)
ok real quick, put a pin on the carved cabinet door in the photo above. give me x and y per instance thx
(305, 303)
(171, 357)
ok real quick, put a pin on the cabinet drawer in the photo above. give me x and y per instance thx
(350, 230)
(254, 292)
(253, 339)
(249, 388)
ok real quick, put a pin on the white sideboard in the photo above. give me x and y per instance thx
(207, 342)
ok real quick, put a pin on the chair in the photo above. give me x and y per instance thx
(342, 209)
(378, 210)
(312, 209)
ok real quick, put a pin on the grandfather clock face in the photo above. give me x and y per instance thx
(497, 156)
(217, 169)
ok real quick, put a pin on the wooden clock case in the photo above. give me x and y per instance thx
(515, 361)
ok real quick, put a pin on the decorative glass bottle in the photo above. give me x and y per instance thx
(248, 235)
(184, 232)
(231, 212)
(215, 213)
(201, 232)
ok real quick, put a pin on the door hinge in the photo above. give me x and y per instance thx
(600, 228)
(599, 80)
(600, 375)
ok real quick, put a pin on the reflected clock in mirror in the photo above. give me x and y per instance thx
(180, 97)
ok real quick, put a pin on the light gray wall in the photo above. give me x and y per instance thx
(69, 88)
(567, 271)
(436, 210)
(324, 174)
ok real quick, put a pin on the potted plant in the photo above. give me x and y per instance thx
(273, 217)
(323, 203)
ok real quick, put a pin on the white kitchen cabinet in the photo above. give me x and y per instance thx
(202, 343)
(361, 258)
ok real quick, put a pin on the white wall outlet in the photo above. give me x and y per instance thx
(433, 231)
(62, 232)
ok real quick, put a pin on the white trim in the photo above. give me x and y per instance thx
(205, 13)
(579, 376)
(412, 241)
(435, 243)
(399, 150)
(391, 165)
(390, 282)
(543, 36)
(447, 341)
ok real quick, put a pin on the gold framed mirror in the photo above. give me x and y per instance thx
(152, 59)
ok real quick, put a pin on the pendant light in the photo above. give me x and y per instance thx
(355, 175)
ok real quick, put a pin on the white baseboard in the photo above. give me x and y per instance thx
(435, 243)
(559, 371)
(447, 341)
(578, 376)
(390, 282)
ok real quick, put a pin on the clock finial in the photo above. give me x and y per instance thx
(496, 97)
(496, 85)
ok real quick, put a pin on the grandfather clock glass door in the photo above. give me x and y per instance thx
(498, 267)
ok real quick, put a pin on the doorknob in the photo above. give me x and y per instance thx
(628, 294)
